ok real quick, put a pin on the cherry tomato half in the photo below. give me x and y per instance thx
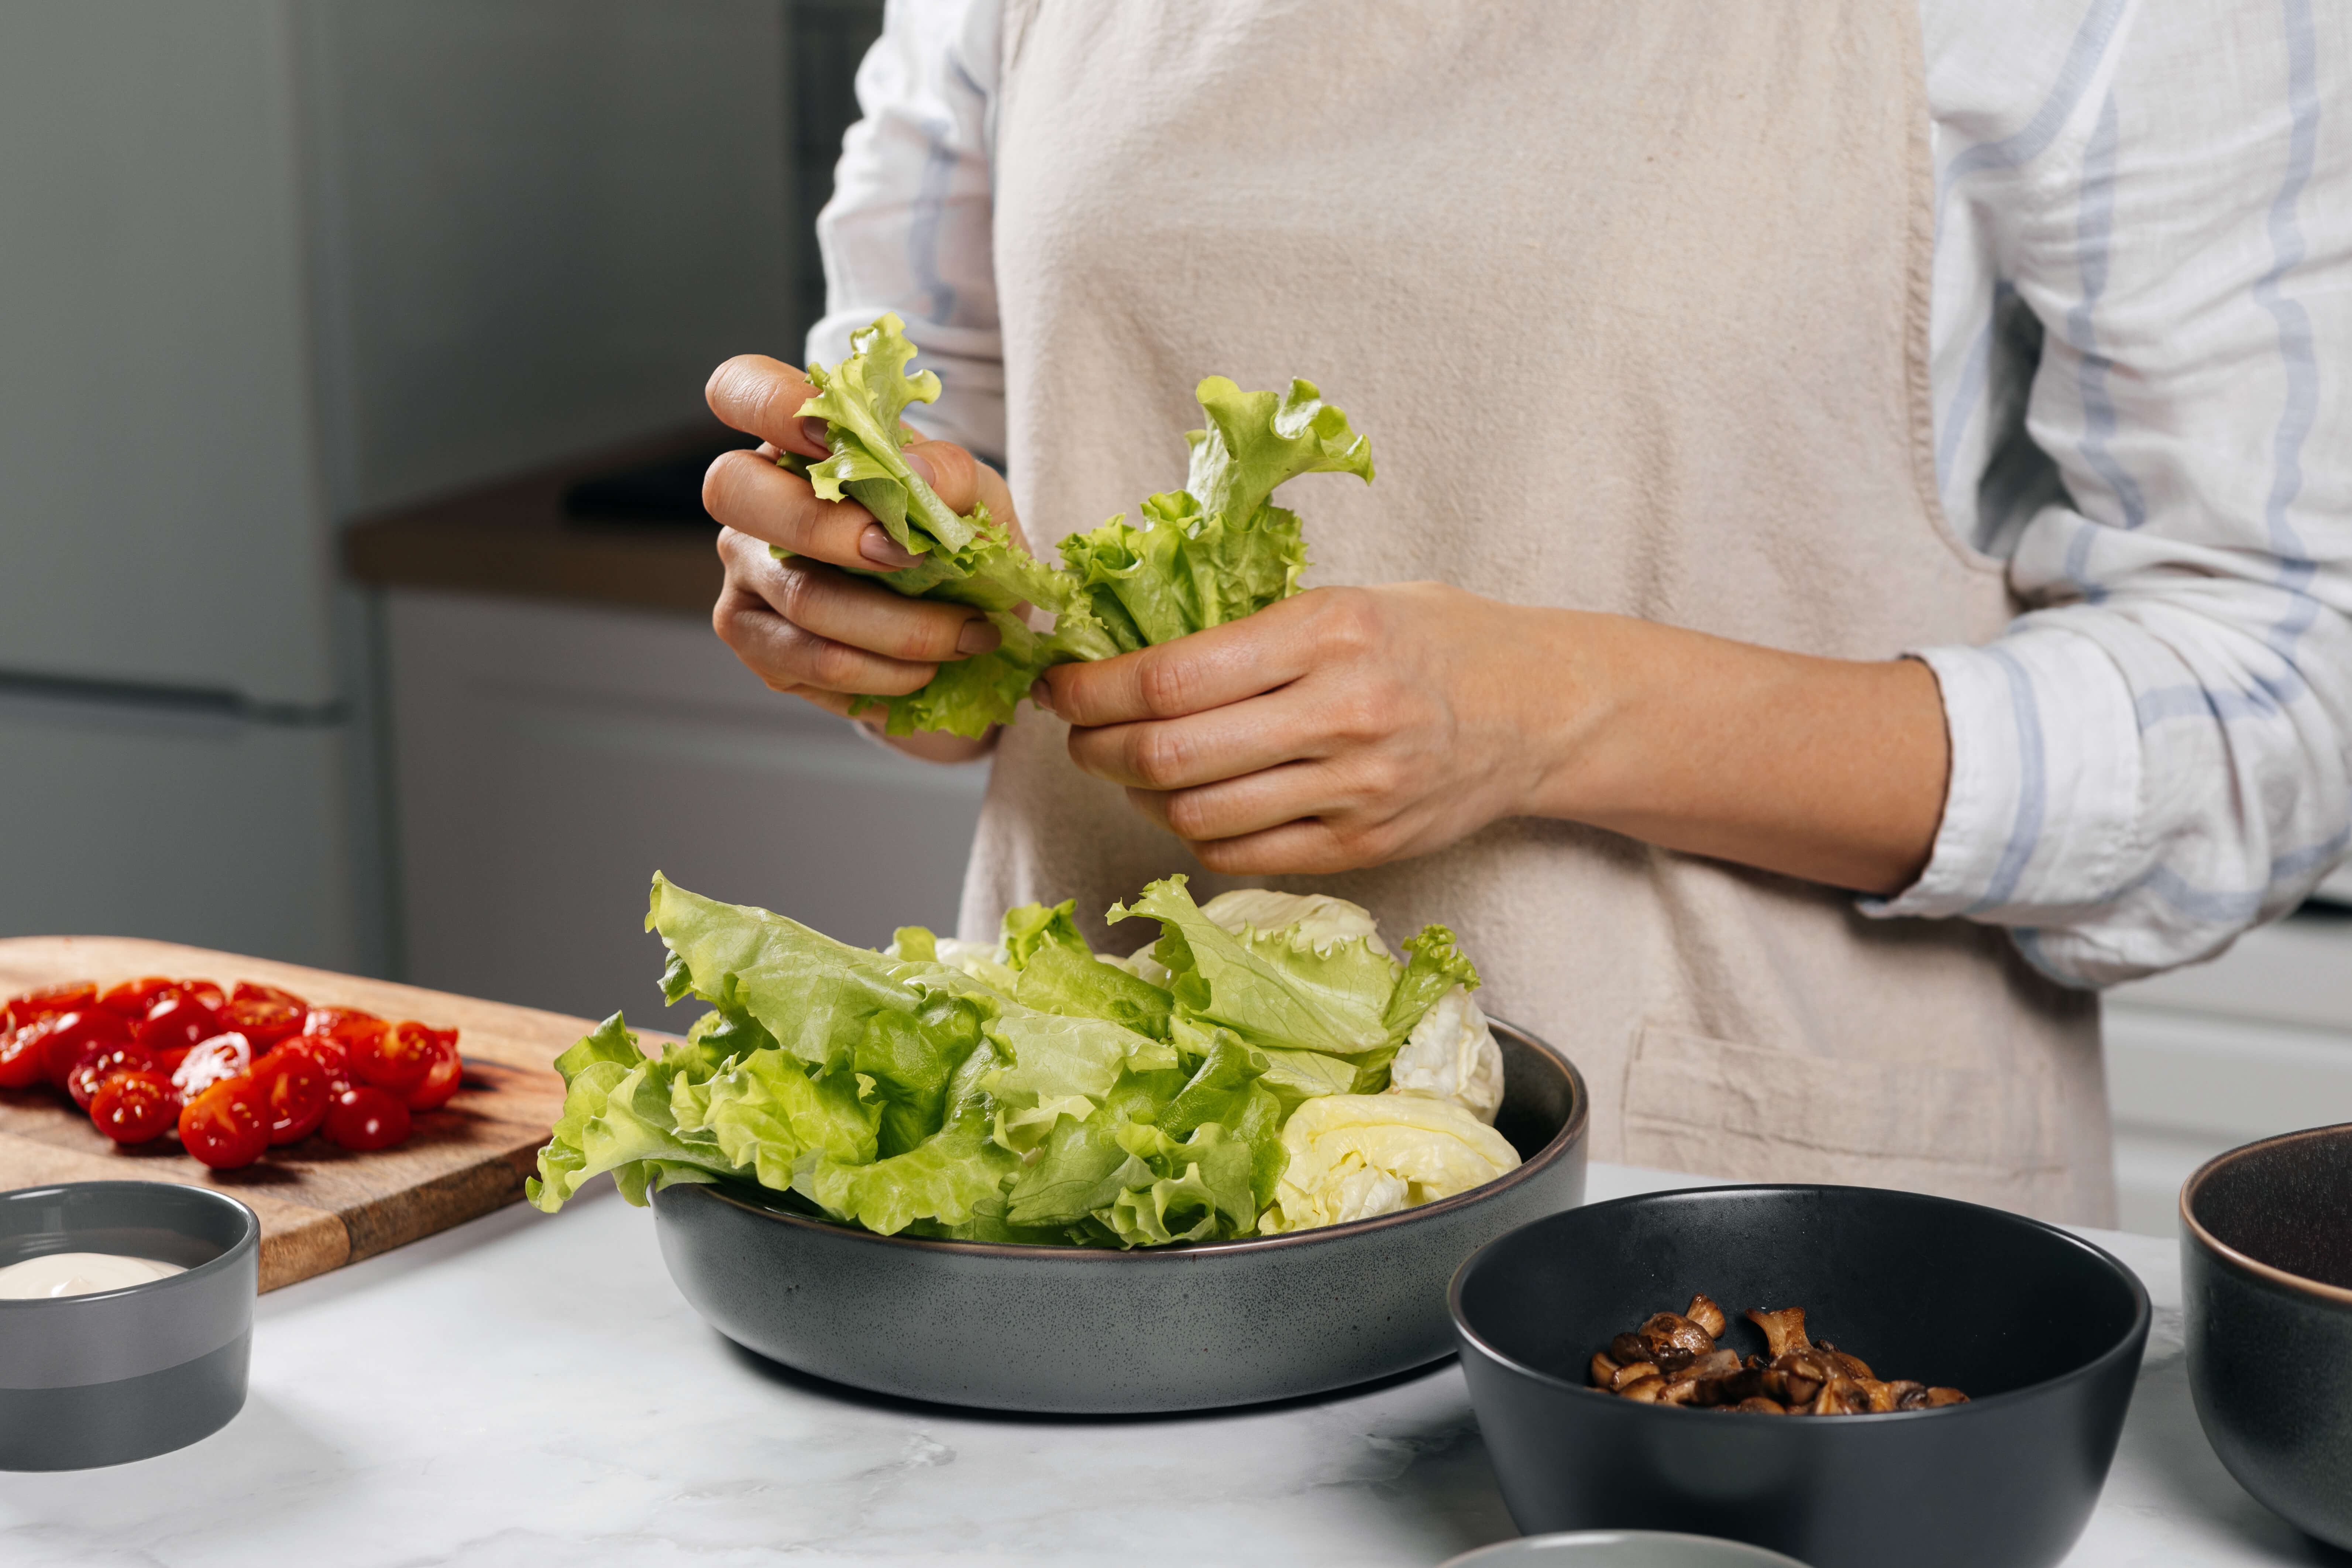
(327, 1053)
(255, 991)
(135, 1107)
(224, 1056)
(294, 1088)
(442, 1079)
(228, 1125)
(66, 1035)
(131, 998)
(366, 1118)
(179, 1019)
(263, 1020)
(207, 992)
(22, 1061)
(398, 1060)
(102, 1062)
(344, 1024)
(48, 1003)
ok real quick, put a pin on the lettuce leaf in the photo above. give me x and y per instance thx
(618, 1116)
(1211, 553)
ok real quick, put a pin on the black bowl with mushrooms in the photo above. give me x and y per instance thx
(2266, 1282)
(2042, 1329)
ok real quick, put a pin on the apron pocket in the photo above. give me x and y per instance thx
(1689, 1096)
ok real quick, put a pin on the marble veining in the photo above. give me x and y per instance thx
(529, 1390)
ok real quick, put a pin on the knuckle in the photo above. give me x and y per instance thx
(1189, 815)
(1159, 756)
(1165, 687)
(832, 665)
(1350, 621)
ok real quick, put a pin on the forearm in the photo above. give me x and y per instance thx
(1831, 770)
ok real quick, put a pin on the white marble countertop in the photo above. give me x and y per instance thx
(527, 1389)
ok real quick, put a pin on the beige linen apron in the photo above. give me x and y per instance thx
(1631, 296)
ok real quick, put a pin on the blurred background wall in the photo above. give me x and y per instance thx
(353, 590)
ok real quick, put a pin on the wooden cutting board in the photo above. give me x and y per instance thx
(320, 1206)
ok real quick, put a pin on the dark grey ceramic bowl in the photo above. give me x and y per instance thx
(1620, 1549)
(2266, 1285)
(1085, 1330)
(124, 1374)
(2042, 1330)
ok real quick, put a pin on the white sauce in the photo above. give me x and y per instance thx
(78, 1274)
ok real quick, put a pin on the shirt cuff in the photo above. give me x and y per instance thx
(2043, 804)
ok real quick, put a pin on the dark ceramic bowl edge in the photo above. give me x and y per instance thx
(1570, 1134)
(2133, 1343)
(186, 1278)
(2223, 1253)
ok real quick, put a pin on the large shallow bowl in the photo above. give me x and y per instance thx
(1620, 1549)
(2042, 1329)
(117, 1375)
(1082, 1330)
(2266, 1282)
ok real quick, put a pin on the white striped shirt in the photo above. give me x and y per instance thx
(2142, 323)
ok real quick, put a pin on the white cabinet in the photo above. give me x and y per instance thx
(551, 757)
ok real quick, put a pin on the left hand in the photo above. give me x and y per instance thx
(1345, 727)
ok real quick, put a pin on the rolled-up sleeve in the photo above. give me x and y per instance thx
(2159, 755)
(909, 224)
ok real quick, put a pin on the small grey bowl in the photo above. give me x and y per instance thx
(1620, 1549)
(125, 1374)
(1085, 1330)
(2266, 1288)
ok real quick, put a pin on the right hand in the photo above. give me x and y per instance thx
(802, 626)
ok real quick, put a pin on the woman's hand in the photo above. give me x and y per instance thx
(1354, 726)
(804, 626)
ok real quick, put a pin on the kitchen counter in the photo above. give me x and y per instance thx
(528, 1389)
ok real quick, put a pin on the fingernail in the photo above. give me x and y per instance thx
(813, 431)
(882, 549)
(1042, 696)
(922, 467)
(977, 637)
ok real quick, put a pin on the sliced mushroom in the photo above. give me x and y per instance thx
(1893, 1393)
(1706, 1315)
(1628, 1349)
(1602, 1369)
(1645, 1391)
(1625, 1378)
(1667, 1334)
(1784, 1330)
(1937, 1397)
(1842, 1396)
(1681, 1392)
(1760, 1406)
(1853, 1366)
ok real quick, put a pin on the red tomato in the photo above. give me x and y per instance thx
(327, 1053)
(442, 1079)
(294, 1088)
(133, 997)
(206, 991)
(344, 1024)
(48, 1003)
(254, 991)
(179, 1019)
(261, 1020)
(398, 1060)
(228, 1125)
(168, 1062)
(135, 1107)
(222, 1057)
(66, 1035)
(22, 1062)
(102, 1062)
(367, 1118)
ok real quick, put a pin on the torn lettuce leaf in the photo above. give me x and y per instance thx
(1211, 553)
(1030, 1091)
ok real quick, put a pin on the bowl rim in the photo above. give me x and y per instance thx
(1571, 1134)
(2194, 1228)
(248, 1240)
(1747, 1550)
(2133, 1342)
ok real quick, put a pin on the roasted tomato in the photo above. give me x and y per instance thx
(179, 1019)
(398, 1060)
(442, 1079)
(294, 1088)
(135, 1107)
(228, 1125)
(133, 998)
(48, 1003)
(100, 1063)
(66, 1035)
(224, 1056)
(264, 1020)
(363, 1116)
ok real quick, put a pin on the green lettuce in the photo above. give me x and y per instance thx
(618, 1116)
(1211, 553)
